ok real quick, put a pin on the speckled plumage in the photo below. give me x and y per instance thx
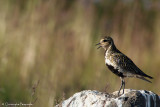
(119, 63)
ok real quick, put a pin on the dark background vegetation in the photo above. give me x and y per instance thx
(53, 42)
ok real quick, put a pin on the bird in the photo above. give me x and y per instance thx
(119, 63)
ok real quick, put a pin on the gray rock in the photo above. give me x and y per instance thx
(130, 98)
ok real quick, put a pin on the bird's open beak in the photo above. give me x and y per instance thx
(99, 46)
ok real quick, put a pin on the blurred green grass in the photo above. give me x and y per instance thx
(53, 41)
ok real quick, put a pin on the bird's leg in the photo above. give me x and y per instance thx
(121, 86)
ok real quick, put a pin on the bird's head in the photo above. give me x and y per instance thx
(105, 42)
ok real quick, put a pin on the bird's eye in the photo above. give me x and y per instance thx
(104, 40)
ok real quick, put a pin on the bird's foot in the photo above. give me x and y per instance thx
(119, 94)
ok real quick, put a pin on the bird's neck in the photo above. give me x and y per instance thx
(112, 49)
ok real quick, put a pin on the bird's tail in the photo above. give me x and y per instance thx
(143, 79)
(148, 76)
(145, 75)
(141, 73)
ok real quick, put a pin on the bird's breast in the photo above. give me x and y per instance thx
(109, 59)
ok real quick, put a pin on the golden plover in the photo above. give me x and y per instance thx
(119, 63)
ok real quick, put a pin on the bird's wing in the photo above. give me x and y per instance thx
(127, 64)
